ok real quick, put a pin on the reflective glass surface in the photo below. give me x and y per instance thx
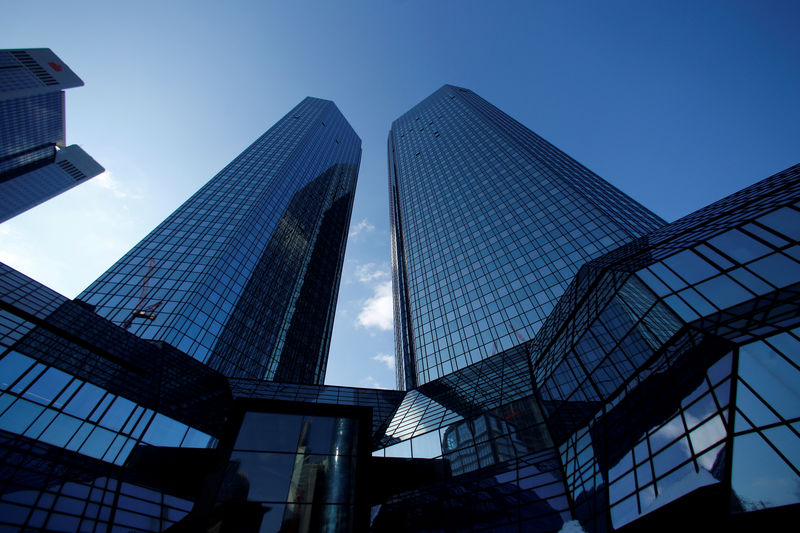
(489, 225)
(244, 275)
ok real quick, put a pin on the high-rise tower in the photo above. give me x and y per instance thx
(244, 275)
(35, 163)
(490, 223)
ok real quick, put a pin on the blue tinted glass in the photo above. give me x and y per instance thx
(772, 377)
(269, 432)
(12, 366)
(97, 443)
(784, 220)
(19, 416)
(760, 475)
(40, 424)
(739, 246)
(117, 413)
(48, 386)
(164, 431)
(777, 269)
(690, 266)
(61, 430)
(85, 400)
(267, 475)
(723, 291)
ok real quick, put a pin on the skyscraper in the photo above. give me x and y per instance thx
(490, 223)
(244, 275)
(35, 163)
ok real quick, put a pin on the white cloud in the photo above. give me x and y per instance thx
(371, 382)
(108, 182)
(371, 272)
(376, 312)
(386, 359)
(362, 226)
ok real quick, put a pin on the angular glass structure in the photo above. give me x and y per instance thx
(35, 163)
(490, 223)
(660, 393)
(244, 275)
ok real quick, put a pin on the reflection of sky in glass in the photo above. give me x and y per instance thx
(53, 407)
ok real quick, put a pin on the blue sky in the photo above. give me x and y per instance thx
(675, 103)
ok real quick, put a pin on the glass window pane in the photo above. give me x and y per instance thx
(61, 430)
(165, 431)
(118, 413)
(262, 476)
(760, 477)
(84, 401)
(785, 220)
(777, 269)
(739, 246)
(19, 416)
(12, 366)
(269, 431)
(48, 386)
(690, 266)
(723, 291)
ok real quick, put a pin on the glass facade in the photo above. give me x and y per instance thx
(489, 225)
(32, 169)
(82, 405)
(662, 386)
(659, 393)
(244, 275)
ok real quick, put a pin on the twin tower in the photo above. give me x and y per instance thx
(489, 225)
(566, 360)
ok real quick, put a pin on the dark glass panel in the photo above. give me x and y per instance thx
(269, 431)
(265, 476)
(760, 477)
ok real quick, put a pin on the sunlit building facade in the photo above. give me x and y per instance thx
(244, 275)
(490, 223)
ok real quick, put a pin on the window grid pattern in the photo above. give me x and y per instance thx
(715, 297)
(224, 275)
(70, 416)
(100, 503)
(520, 495)
(31, 122)
(49, 405)
(32, 188)
(383, 402)
(304, 475)
(490, 223)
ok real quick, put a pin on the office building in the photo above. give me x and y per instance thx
(244, 275)
(659, 393)
(35, 162)
(490, 223)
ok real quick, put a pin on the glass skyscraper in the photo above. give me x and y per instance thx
(490, 223)
(35, 163)
(660, 393)
(244, 275)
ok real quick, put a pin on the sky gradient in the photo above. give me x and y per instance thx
(678, 104)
